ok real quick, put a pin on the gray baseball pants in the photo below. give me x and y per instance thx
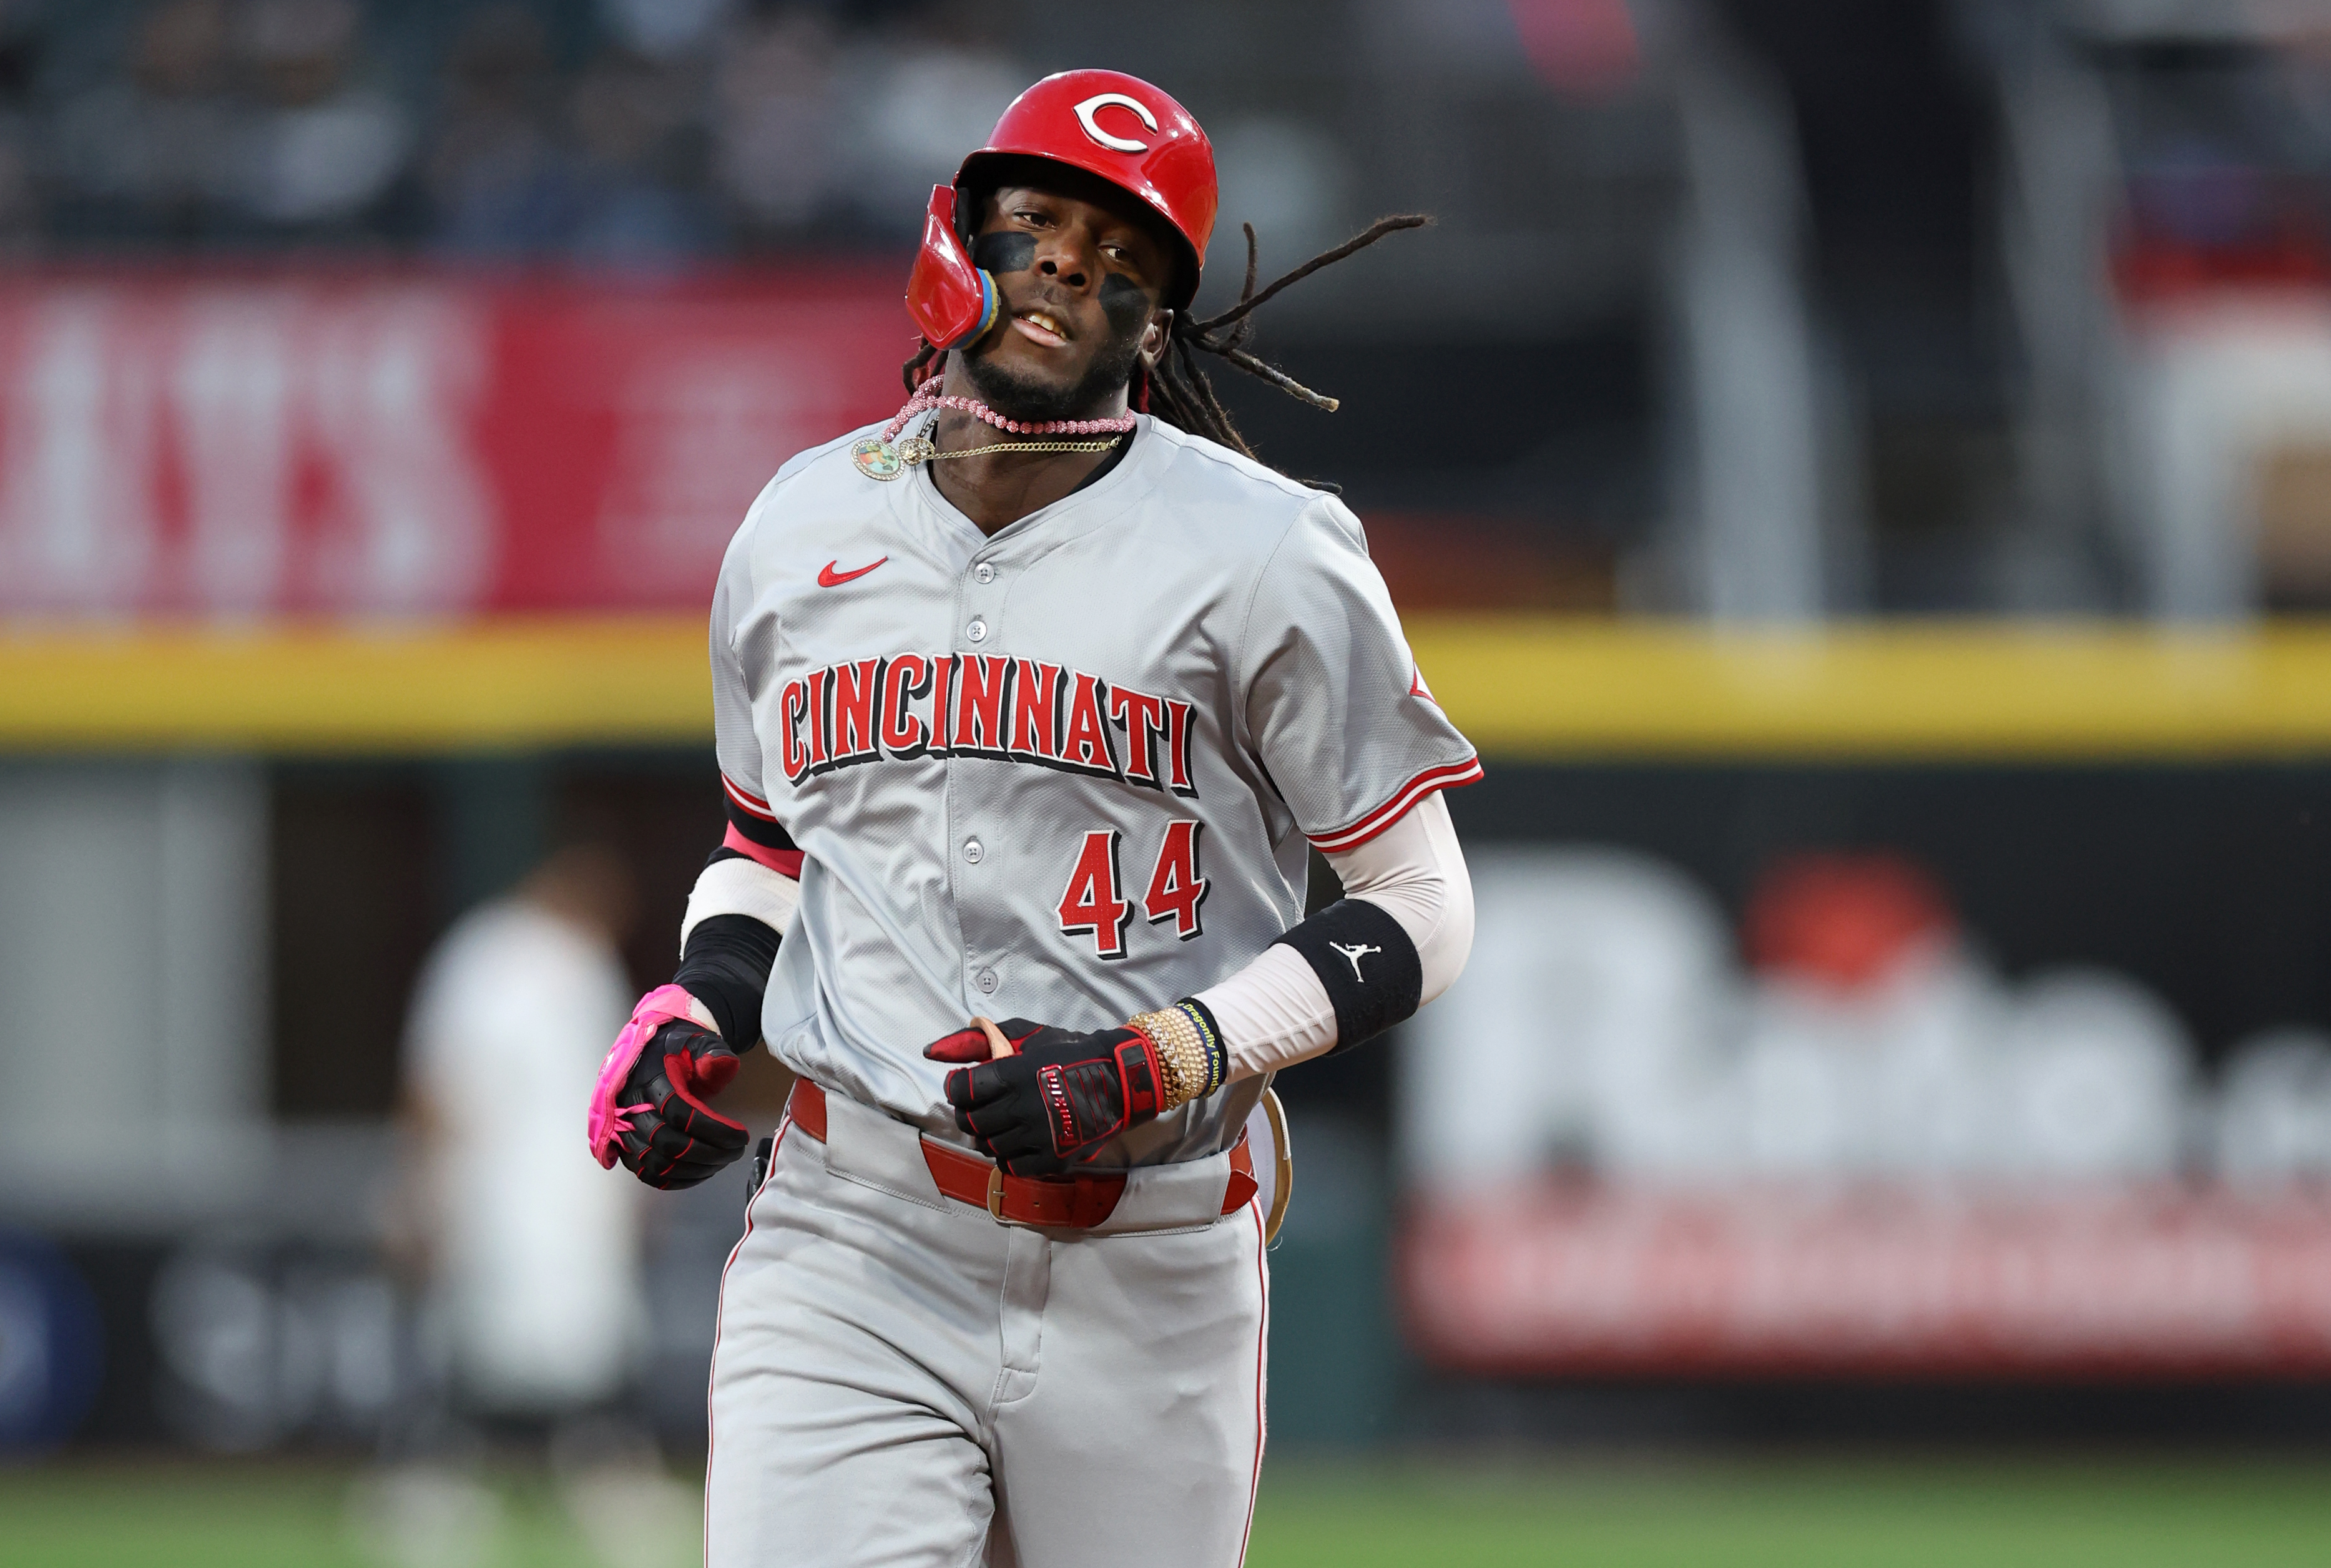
(899, 1379)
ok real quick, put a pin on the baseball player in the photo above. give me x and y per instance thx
(1030, 705)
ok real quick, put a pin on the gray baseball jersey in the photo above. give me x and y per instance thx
(1068, 773)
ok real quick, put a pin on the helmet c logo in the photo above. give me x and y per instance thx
(1099, 101)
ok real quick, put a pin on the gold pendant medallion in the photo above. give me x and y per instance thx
(877, 459)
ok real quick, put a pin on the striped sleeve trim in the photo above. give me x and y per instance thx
(1449, 776)
(750, 822)
(745, 800)
(784, 862)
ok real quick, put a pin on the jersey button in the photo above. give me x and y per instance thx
(976, 631)
(985, 981)
(984, 571)
(973, 852)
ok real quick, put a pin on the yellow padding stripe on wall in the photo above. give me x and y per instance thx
(1522, 687)
(1540, 688)
(511, 682)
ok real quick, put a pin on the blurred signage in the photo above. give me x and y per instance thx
(1860, 1150)
(259, 1343)
(395, 443)
(2118, 1282)
(50, 1353)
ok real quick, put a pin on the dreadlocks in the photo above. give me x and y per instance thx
(1177, 389)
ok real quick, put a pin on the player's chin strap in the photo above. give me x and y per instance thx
(605, 1124)
(951, 300)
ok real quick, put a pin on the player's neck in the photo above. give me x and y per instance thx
(996, 489)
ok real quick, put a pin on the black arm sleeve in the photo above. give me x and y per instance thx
(765, 831)
(725, 966)
(1368, 962)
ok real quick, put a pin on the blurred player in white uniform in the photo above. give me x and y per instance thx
(528, 1259)
(533, 1264)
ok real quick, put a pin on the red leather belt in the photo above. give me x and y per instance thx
(1056, 1203)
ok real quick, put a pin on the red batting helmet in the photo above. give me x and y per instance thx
(1108, 124)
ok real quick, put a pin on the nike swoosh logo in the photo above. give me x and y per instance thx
(827, 577)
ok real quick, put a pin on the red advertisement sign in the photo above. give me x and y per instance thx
(2111, 1281)
(396, 444)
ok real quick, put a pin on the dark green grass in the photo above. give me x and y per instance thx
(226, 1515)
(1800, 1512)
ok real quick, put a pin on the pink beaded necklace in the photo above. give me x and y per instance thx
(878, 457)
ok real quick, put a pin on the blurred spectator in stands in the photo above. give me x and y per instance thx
(20, 59)
(147, 155)
(498, 180)
(526, 1252)
(774, 129)
(2223, 376)
(635, 120)
(920, 91)
(665, 30)
(323, 147)
(1288, 179)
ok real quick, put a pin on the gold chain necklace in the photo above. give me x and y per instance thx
(916, 449)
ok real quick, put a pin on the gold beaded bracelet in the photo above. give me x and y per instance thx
(1181, 1054)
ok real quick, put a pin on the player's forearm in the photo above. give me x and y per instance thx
(737, 914)
(1321, 988)
(726, 967)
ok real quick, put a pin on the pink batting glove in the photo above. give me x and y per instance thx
(604, 1123)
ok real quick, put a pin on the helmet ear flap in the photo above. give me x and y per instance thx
(953, 300)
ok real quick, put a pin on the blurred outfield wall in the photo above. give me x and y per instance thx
(2088, 795)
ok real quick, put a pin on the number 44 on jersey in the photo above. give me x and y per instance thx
(1094, 903)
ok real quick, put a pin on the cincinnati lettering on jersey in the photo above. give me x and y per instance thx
(989, 704)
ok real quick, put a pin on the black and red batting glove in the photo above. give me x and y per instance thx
(649, 1111)
(1061, 1095)
(679, 1140)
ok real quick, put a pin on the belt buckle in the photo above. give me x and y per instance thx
(1066, 1220)
(995, 1201)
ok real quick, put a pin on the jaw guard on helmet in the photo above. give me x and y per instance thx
(1104, 122)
